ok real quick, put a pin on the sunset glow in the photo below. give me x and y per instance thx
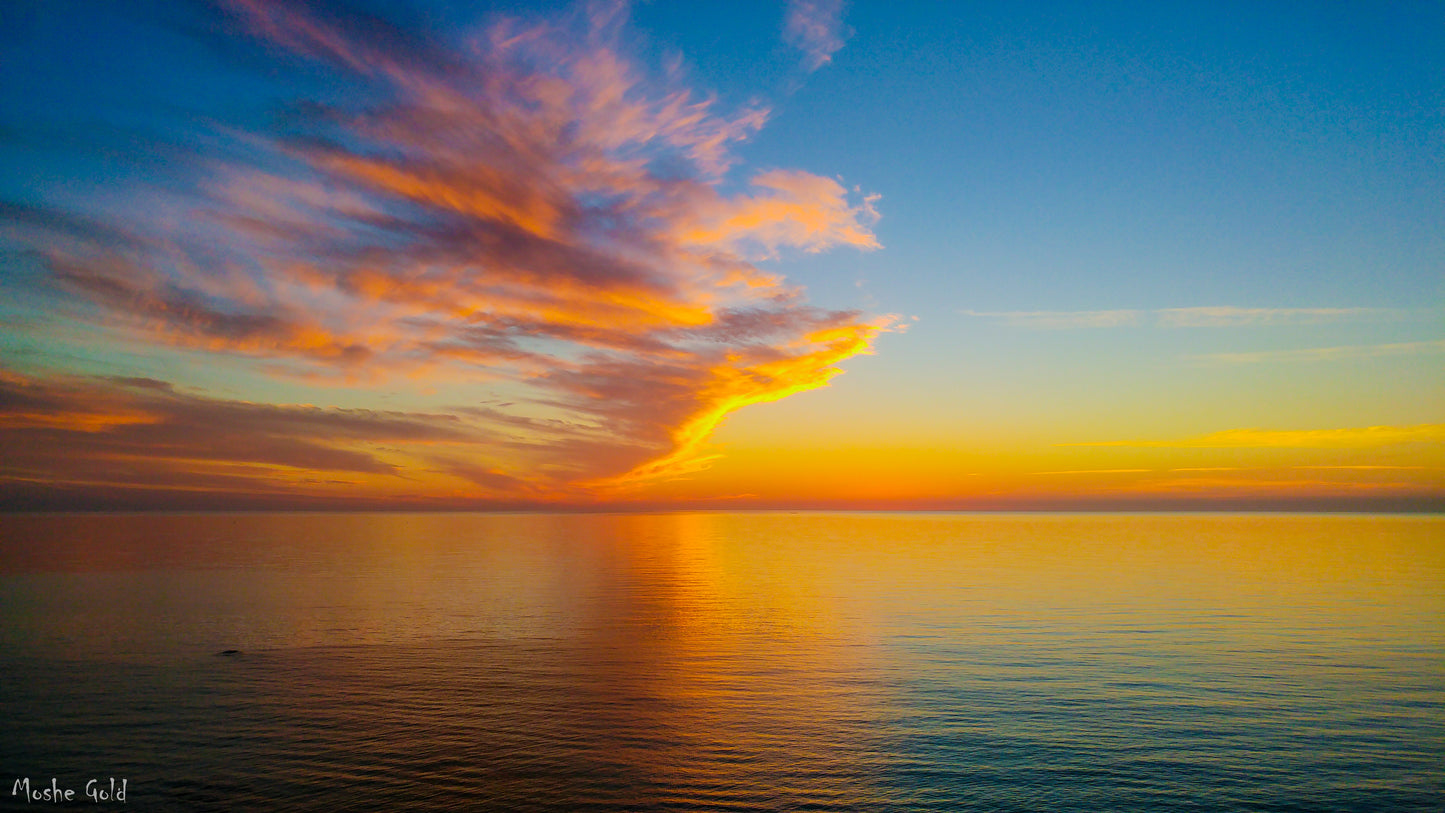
(295, 254)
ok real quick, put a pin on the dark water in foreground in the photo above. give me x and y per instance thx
(726, 661)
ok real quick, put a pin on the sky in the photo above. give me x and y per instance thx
(804, 254)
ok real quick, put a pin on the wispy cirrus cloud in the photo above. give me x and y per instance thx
(1351, 437)
(1214, 317)
(526, 205)
(1061, 320)
(815, 27)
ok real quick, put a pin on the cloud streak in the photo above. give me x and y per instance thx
(1340, 353)
(1353, 437)
(1061, 320)
(138, 432)
(1239, 317)
(526, 207)
(1197, 317)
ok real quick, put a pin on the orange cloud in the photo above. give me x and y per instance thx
(742, 380)
(794, 210)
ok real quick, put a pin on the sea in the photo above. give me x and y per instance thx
(728, 661)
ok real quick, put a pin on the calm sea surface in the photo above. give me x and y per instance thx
(725, 661)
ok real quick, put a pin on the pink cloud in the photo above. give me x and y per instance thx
(815, 27)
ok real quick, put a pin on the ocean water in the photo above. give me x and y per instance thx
(725, 661)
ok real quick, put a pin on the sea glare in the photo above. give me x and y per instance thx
(725, 661)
